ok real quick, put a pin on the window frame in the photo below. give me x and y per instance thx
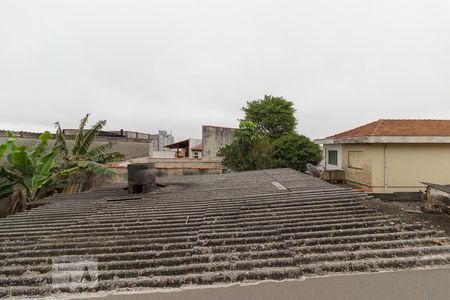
(336, 157)
(349, 165)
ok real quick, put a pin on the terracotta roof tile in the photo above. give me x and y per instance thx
(199, 147)
(389, 127)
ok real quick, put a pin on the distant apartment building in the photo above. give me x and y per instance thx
(164, 139)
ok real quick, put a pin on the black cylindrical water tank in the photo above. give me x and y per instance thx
(141, 177)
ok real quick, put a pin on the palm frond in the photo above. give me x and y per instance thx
(10, 144)
(101, 149)
(48, 187)
(43, 169)
(96, 168)
(89, 137)
(61, 140)
(67, 172)
(54, 182)
(11, 175)
(103, 158)
(3, 148)
(79, 136)
(20, 160)
(40, 147)
(6, 188)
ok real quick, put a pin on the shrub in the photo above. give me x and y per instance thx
(295, 151)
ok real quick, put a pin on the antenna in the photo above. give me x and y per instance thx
(313, 170)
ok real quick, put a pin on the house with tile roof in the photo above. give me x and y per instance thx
(389, 156)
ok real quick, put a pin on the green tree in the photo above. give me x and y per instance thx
(238, 155)
(82, 154)
(262, 153)
(295, 151)
(6, 185)
(273, 116)
(35, 170)
(267, 138)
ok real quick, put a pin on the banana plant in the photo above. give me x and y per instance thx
(81, 154)
(6, 185)
(36, 170)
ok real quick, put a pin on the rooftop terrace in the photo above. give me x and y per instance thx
(211, 229)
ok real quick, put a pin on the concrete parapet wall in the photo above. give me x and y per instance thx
(131, 148)
(163, 154)
(179, 166)
(214, 138)
(186, 166)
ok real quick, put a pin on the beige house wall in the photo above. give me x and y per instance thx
(409, 164)
(363, 176)
(406, 166)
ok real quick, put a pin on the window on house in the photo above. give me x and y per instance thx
(195, 154)
(332, 157)
(355, 159)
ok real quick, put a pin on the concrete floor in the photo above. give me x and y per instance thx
(408, 285)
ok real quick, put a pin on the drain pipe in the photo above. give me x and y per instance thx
(385, 168)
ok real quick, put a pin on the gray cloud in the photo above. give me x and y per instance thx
(149, 65)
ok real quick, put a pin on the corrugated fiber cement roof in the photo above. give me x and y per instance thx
(201, 230)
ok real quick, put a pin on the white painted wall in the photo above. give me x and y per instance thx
(163, 154)
(338, 148)
(193, 143)
(199, 154)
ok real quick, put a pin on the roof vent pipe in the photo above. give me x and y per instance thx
(141, 178)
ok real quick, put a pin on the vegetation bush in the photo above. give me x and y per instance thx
(238, 155)
(273, 116)
(81, 154)
(295, 151)
(35, 170)
(42, 170)
(266, 138)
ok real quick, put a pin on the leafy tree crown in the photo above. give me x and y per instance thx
(273, 116)
(295, 151)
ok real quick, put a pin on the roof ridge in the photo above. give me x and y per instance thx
(398, 127)
(352, 129)
(412, 119)
(380, 122)
(216, 126)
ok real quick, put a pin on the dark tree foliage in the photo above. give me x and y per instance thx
(261, 154)
(266, 138)
(274, 116)
(295, 151)
(238, 155)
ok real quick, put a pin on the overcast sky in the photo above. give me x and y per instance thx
(175, 65)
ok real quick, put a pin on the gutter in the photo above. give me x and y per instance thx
(385, 168)
(387, 139)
